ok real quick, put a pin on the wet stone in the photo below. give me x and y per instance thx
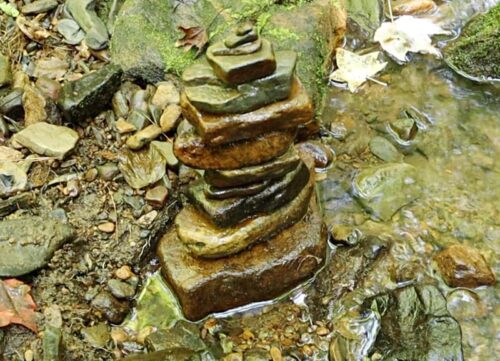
(247, 175)
(144, 136)
(112, 309)
(5, 71)
(39, 6)
(204, 286)
(47, 139)
(238, 69)
(11, 104)
(124, 127)
(166, 94)
(208, 94)
(182, 335)
(463, 266)
(321, 154)
(194, 152)
(204, 239)
(83, 11)
(88, 96)
(383, 190)
(212, 192)
(121, 289)
(27, 244)
(229, 212)
(157, 196)
(170, 117)
(385, 150)
(296, 110)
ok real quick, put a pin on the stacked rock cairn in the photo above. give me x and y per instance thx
(250, 229)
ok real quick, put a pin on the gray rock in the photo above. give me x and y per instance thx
(39, 6)
(113, 309)
(71, 31)
(47, 139)
(52, 344)
(12, 178)
(88, 96)
(83, 11)
(121, 289)
(5, 71)
(385, 150)
(11, 104)
(27, 244)
(383, 190)
(108, 171)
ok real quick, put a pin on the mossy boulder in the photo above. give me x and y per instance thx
(146, 32)
(476, 53)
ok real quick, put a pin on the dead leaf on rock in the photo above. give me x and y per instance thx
(32, 29)
(16, 304)
(194, 36)
(408, 34)
(355, 69)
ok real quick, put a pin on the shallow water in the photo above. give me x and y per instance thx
(455, 152)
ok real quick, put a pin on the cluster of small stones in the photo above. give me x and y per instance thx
(250, 228)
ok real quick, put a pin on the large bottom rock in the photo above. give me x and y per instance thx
(264, 272)
(192, 151)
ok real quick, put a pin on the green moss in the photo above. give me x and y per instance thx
(477, 50)
(280, 34)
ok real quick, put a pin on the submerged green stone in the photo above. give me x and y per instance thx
(238, 69)
(207, 93)
(231, 211)
(248, 175)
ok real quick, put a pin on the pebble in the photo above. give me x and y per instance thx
(120, 289)
(322, 155)
(166, 93)
(148, 218)
(98, 335)
(113, 309)
(108, 171)
(49, 87)
(39, 6)
(157, 196)
(143, 137)
(53, 316)
(124, 127)
(276, 354)
(91, 175)
(120, 104)
(463, 266)
(170, 117)
(465, 305)
(124, 272)
(108, 227)
(47, 139)
(9, 154)
(5, 71)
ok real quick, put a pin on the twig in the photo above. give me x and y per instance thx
(390, 10)
(116, 212)
(377, 81)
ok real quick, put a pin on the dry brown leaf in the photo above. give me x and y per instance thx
(16, 304)
(32, 29)
(194, 36)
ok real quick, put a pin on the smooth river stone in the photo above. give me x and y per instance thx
(190, 149)
(248, 175)
(246, 190)
(262, 273)
(223, 99)
(215, 129)
(229, 212)
(238, 69)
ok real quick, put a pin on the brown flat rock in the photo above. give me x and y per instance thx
(215, 129)
(205, 239)
(190, 149)
(262, 273)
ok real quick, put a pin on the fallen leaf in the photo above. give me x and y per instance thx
(9, 9)
(408, 34)
(355, 69)
(16, 304)
(32, 29)
(194, 36)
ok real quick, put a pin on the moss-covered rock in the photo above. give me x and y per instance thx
(476, 53)
(146, 31)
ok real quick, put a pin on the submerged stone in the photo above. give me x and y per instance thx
(265, 271)
(47, 139)
(182, 335)
(296, 110)
(88, 96)
(83, 11)
(229, 212)
(204, 239)
(204, 92)
(194, 152)
(247, 175)
(27, 244)
(463, 266)
(383, 190)
(238, 69)
(385, 150)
